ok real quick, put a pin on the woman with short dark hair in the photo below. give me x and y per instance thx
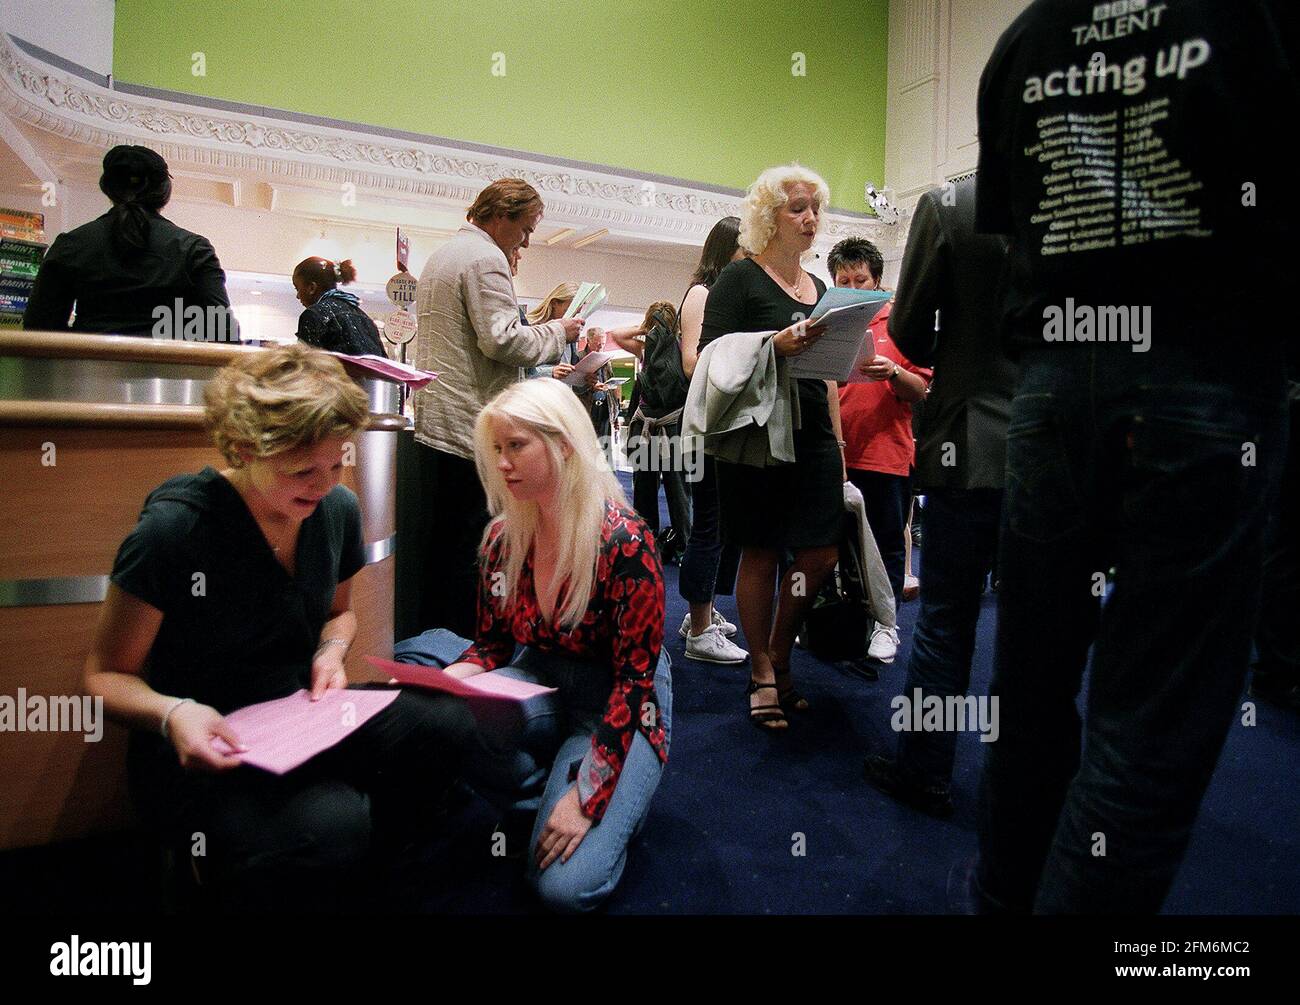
(708, 566)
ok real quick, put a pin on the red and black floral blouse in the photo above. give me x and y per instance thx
(623, 626)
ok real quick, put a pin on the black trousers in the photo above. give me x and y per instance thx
(645, 482)
(1164, 467)
(457, 517)
(301, 841)
(961, 535)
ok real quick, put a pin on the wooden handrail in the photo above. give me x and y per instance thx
(132, 349)
(76, 345)
(93, 415)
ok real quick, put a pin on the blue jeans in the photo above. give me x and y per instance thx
(1161, 465)
(1277, 641)
(708, 566)
(961, 535)
(558, 730)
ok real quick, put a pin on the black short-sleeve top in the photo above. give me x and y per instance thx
(744, 298)
(236, 628)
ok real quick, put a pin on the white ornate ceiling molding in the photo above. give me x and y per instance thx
(54, 100)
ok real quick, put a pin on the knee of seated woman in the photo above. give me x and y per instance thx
(329, 829)
(569, 889)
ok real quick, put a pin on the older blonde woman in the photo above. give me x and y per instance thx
(798, 507)
(235, 588)
(569, 571)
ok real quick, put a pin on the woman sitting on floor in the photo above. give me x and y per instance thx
(570, 571)
(234, 588)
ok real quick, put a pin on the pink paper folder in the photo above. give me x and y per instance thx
(483, 685)
(286, 732)
(409, 375)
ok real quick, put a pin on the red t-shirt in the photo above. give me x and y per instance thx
(877, 424)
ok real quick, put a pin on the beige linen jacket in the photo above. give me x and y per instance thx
(470, 334)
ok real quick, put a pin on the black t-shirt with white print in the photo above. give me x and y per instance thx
(1131, 150)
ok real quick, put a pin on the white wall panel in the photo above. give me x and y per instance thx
(77, 30)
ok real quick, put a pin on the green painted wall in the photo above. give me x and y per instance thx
(701, 91)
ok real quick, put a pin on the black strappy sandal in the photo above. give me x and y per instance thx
(766, 717)
(790, 698)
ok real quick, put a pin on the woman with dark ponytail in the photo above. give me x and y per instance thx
(132, 272)
(333, 319)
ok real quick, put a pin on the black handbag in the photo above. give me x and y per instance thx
(838, 625)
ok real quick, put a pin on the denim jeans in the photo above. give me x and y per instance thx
(559, 728)
(961, 533)
(1277, 640)
(709, 567)
(887, 498)
(1160, 464)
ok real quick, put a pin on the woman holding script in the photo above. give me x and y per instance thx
(234, 589)
(797, 507)
(570, 572)
(593, 392)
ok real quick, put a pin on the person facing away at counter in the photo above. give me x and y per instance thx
(132, 271)
(333, 319)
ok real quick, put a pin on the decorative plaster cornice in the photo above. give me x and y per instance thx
(55, 101)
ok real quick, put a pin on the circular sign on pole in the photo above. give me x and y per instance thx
(399, 327)
(401, 289)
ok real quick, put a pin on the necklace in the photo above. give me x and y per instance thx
(246, 493)
(794, 290)
(277, 548)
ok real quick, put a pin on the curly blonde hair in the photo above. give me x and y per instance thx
(282, 399)
(768, 194)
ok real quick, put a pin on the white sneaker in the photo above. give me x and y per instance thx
(728, 629)
(711, 646)
(884, 644)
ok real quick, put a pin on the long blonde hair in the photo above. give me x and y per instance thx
(540, 314)
(584, 485)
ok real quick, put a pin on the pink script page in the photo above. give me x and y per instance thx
(286, 732)
(483, 685)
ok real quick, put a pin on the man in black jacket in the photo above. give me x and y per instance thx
(960, 464)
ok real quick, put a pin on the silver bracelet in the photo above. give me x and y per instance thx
(327, 642)
(166, 718)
